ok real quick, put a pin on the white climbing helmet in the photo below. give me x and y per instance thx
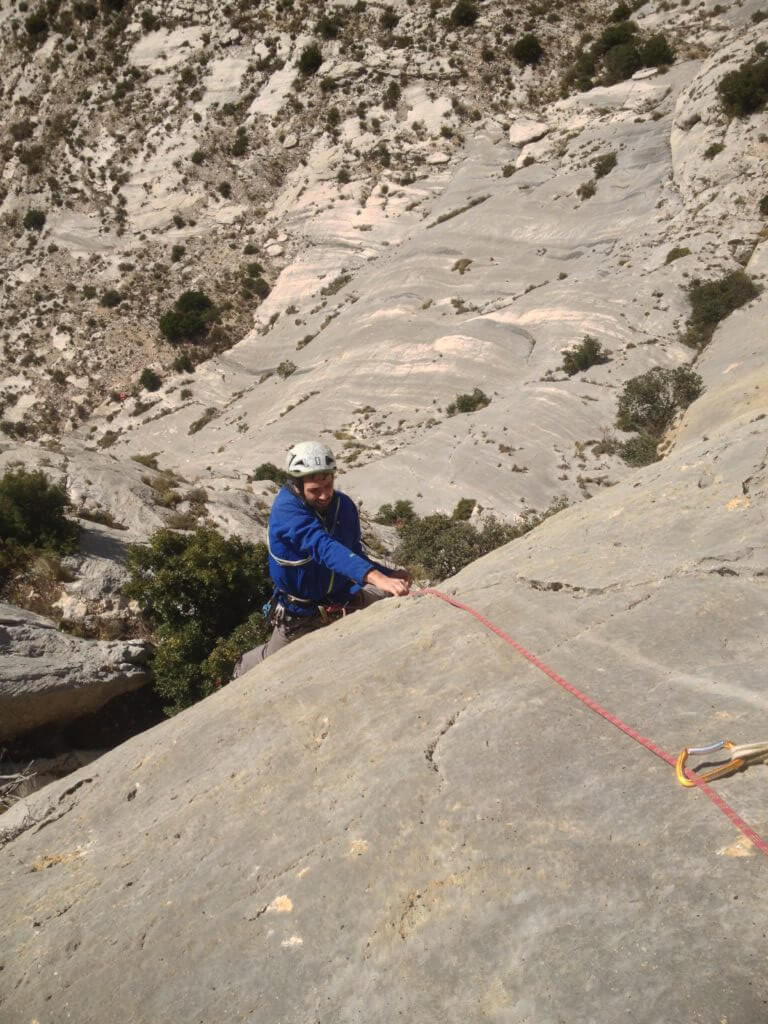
(308, 458)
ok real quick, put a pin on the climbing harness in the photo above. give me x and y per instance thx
(696, 780)
(741, 757)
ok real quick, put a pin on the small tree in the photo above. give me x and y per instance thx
(745, 90)
(648, 403)
(33, 516)
(190, 319)
(34, 220)
(713, 301)
(588, 352)
(200, 592)
(464, 14)
(310, 60)
(528, 51)
(468, 402)
(150, 380)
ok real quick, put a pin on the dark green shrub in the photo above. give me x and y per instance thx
(468, 402)
(149, 380)
(330, 26)
(587, 190)
(464, 508)
(396, 514)
(269, 471)
(310, 59)
(34, 220)
(200, 592)
(589, 352)
(177, 253)
(763, 206)
(32, 517)
(225, 189)
(615, 35)
(648, 403)
(20, 131)
(621, 62)
(261, 287)
(640, 450)
(464, 14)
(604, 164)
(677, 253)
(656, 51)
(184, 363)
(713, 301)
(745, 91)
(190, 318)
(440, 545)
(711, 151)
(388, 19)
(285, 369)
(391, 96)
(36, 25)
(111, 298)
(528, 51)
(621, 12)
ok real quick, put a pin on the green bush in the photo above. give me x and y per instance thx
(620, 13)
(763, 206)
(111, 298)
(34, 220)
(464, 14)
(604, 164)
(589, 352)
(468, 402)
(190, 319)
(177, 253)
(656, 51)
(269, 471)
(396, 514)
(149, 380)
(619, 34)
(200, 592)
(310, 59)
(464, 508)
(745, 91)
(587, 190)
(713, 301)
(621, 62)
(711, 151)
(32, 518)
(36, 25)
(286, 368)
(648, 403)
(440, 545)
(528, 51)
(677, 253)
(640, 450)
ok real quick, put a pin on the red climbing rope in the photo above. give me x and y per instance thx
(707, 790)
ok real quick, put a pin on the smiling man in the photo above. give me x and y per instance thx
(316, 557)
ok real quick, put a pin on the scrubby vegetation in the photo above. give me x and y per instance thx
(589, 352)
(618, 52)
(200, 594)
(468, 402)
(190, 319)
(745, 91)
(32, 519)
(269, 471)
(713, 301)
(648, 405)
(395, 514)
(439, 545)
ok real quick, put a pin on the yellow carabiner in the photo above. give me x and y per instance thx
(714, 773)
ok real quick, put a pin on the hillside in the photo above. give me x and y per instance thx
(397, 816)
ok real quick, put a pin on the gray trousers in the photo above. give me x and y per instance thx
(290, 627)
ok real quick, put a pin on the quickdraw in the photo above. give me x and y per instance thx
(741, 757)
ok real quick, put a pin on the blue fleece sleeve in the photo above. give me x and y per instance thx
(308, 535)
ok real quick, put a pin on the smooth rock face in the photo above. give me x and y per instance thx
(525, 130)
(400, 815)
(47, 676)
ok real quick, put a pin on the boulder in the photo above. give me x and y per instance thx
(49, 676)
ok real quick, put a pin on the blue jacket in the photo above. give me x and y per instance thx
(316, 556)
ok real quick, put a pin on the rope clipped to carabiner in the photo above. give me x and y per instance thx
(741, 757)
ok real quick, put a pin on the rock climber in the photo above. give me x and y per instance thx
(316, 557)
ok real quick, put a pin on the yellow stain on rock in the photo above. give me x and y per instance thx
(741, 847)
(280, 905)
(357, 848)
(739, 503)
